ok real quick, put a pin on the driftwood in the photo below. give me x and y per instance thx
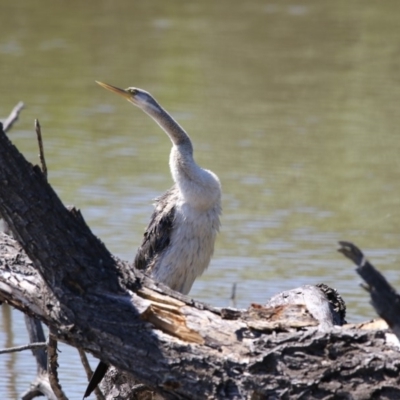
(181, 349)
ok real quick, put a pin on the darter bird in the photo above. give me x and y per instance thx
(179, 241)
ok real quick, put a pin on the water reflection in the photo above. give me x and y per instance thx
(293, 105)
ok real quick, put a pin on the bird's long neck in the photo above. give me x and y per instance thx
(197, 186)
(175, 132)
(182, 164)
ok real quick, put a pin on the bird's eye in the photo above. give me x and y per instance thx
(132, 91)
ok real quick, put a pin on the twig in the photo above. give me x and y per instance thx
(31, 346)
(89, 373)
(233, 296)
(52, 367)
(41, 151)
(85, 363)
(10, 120)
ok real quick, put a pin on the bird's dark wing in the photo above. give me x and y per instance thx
(158, 233)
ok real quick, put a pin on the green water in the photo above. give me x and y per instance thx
(293, 104)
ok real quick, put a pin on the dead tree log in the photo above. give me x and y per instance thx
(180, 348)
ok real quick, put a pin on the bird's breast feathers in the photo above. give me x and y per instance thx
(191, 247)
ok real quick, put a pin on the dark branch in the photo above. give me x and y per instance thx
(41, 150)
(384, 297)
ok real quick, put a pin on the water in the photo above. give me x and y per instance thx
(293, 104)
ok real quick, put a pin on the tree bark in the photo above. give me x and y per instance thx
(180, 348)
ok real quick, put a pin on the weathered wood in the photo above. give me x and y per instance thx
(324, 303)
(52, 362)
(179, 348)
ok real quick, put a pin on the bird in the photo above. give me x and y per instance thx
(178, 243)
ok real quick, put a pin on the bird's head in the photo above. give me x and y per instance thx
(138, 97)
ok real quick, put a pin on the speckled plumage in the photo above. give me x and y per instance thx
(179, 241)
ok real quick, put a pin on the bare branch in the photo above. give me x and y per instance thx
(52, 367)
(41, 151)
(13, 117)
(31, 346)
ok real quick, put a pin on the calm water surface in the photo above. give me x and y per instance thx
(293, 104)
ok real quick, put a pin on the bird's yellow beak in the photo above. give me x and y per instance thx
(116, 90)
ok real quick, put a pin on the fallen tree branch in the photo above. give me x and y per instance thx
(178, 347)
